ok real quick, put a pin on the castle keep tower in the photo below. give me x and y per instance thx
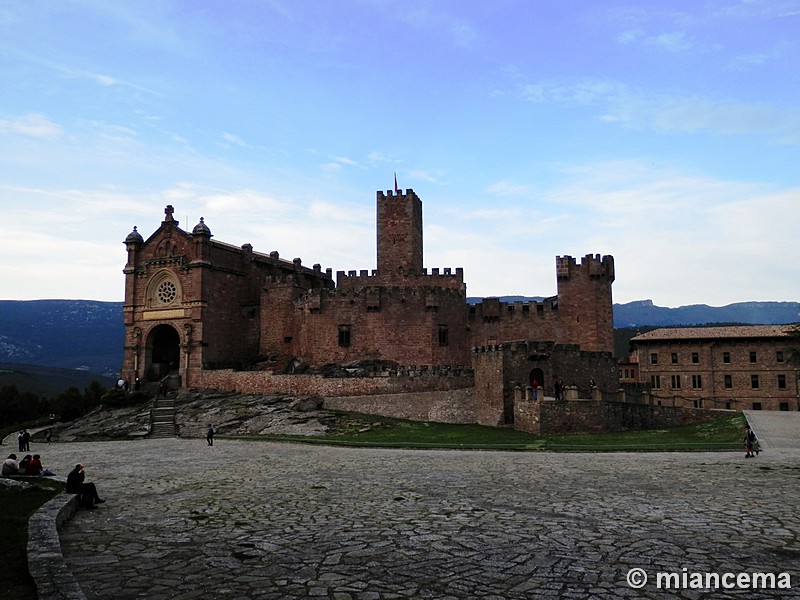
(399, 234)
(584, 301)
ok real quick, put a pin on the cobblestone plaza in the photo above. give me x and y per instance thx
(274, 520)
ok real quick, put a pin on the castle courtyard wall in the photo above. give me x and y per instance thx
(446, 406)
(590, 416)
(265, 382)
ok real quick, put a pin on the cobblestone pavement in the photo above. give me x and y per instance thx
(275, 520)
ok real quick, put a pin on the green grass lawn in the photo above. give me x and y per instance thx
(17, 508)
(724, 433)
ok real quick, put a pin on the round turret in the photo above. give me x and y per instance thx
(134, 237)
(201, 229)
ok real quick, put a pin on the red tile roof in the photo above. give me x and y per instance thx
(707, 333)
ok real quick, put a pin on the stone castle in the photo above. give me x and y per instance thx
(210, 314)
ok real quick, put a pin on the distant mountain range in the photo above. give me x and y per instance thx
(644, 312)
(88, 335)
(70, 334)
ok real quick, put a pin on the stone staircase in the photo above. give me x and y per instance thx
(162, 417)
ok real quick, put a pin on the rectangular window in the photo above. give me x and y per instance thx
(695, 357)
(443, 335)
(753, 357)
(779, 356)
(756, 405)
(729, 405)
(697, 381)
(676, 382)
(726, 357)
(655, 381)
(674, 358)
(782, 382)
(344, 335)
(784, 406)
(698, 404)
(728, 381)
(654, 358)
(754, 381)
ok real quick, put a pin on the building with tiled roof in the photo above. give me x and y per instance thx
(740, 367)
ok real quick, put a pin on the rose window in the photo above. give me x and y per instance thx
(166, 292)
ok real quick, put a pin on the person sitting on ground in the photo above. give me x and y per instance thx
(23, 464)
(10, 466)
(76, 484)
(35, 467)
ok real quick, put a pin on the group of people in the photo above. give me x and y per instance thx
(29, 465)
(558, 388)
(125, 386)
(24, 439)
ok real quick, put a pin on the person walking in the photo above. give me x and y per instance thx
(210, 434)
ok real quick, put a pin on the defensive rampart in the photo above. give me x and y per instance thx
(546, 416)
(446, 406)
(265, 382)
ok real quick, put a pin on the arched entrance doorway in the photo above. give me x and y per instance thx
(163, 352)
(537, 375)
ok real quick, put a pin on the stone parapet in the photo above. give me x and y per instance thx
(265, 382)
(54, 580)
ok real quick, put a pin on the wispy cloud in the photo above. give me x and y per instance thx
(422, 16)
(31, 125)
(423, 175)
(509, 190)
(675, 41)
(234, 140)
(627, 105)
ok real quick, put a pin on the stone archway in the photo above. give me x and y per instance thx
(163, 352)
(538, 376)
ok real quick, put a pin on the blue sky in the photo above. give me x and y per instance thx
(664, 133)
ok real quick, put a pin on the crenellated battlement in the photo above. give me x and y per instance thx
(494, 309)
(592, 266)
(409, 194)
(446, 278)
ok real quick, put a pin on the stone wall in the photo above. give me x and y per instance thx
(264, 382)
(591, 416)
(449, 406)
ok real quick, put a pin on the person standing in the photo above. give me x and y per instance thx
(210, 434)
(535, 386)
(48, 435)
(749, 442)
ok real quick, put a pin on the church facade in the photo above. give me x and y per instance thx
(194, 304)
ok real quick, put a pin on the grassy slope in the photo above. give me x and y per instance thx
(361, 430)
(17, 508)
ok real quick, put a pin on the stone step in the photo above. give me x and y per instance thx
(163, 418)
